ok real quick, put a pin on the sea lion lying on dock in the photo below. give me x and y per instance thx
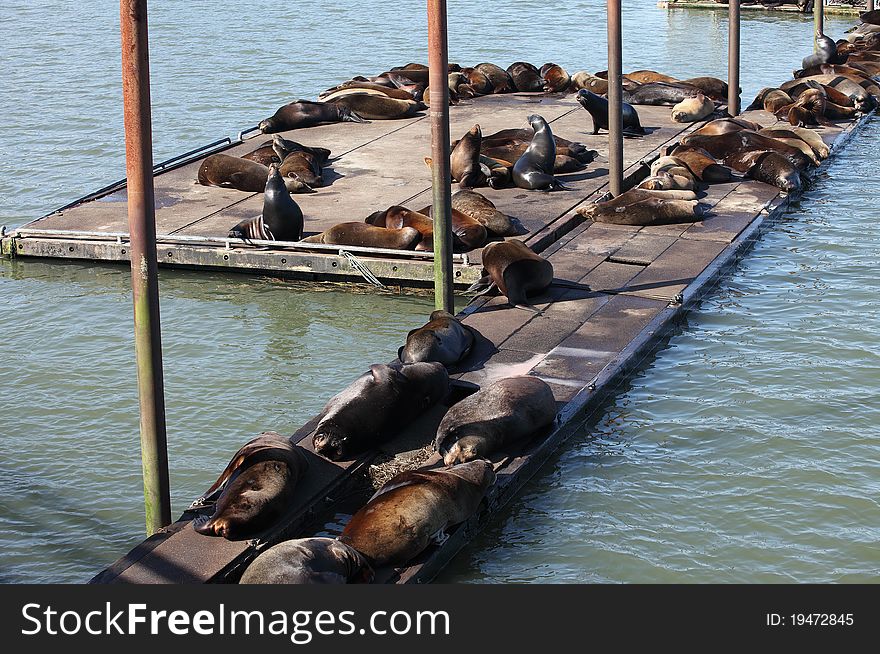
(363, 235)
(659, 93)
(526, 77)
(443, 339)
(664, 181)
(690, 110)
(305, 113)
(725, 126)
(498, 414)
(703, 165)
(258, 486)
(724, 145)
(515, 270)
(766, 166)
(374, 107)
(308, 561)
(414, 507)
(481, 209)
(227, 171)
(597, 107)
(376, 405)
(281, 219)
(584, 80)
(644, 207)
(556, 80)
(397, 217)
(500, 78)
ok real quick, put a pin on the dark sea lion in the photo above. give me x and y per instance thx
(597, 106)
(516, 271)
(281, 219)
(584, 80)
(501, 413)
(703, 165)
(691, 110)
(500, 79)
(871, 17)
(659, 93)
(724, 145)
(534, 169)
(401, 519)
(709, 86)
(556, 80)
(305, 113)
(481, 209)
(862, 99)
(378, 108)
(284, 147)
(377, 405)
(303, 166)
(772, 100)
(443, 339)
(408, 77)
(464, 161)
(234, 172)
(526, 77)
(364, 235)
(468, 234)
(258, 486)
(826, 53)
(768, 167)
(308, 561)
(854, 71)
(478, 81)
(563, 146)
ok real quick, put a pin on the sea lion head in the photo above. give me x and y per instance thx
(267, 126)
(332, 442)
(587, 99)
(464, 449)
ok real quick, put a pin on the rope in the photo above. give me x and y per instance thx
(365, 272)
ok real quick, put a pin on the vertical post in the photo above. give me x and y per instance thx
(144, 270)
(870, 6)
(438, 65)
(615, 99)
(733, 58)
(818, 22)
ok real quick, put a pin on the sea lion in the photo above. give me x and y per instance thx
(501, 413)
(258, 486)
(468, 234)
(862, 99)
(659, 93)
(377, 405)
(305, 113)
(573, 149)
(397, 217)
(302, 166)
(809, 136)
(854, 71)
(768, 167)
(264, 155)
(703, 165)
(464, 161)
(826, 53)
(368, 236)
(500, 79)
(378, 108)
(283, 147)
(234, 172)
(711, 87)
(525, 76)
(725, 144)
(664, 181)
(308, 561)
(647, 76)
(281, 219)
(481, 209)
(443, 339)
(643, 208)
(556, 80)
(597, 107)
(515, 270)
(725, 126)
(673, 166)
(772, 100)
(400, 520)
(534, 169)
(390, 91)
(584, 80)
(478, 81)
(690, 110)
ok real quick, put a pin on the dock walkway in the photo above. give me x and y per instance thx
(583, 344)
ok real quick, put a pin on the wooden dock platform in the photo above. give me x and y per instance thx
(374, 166)
(841, 8)
(585, 342)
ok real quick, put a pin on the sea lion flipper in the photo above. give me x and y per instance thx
(527, 307)
(482, 286)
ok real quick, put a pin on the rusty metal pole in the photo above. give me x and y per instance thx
(144, 270)
(615, 99)
(733, 57)
(438, 84)
(818, 22)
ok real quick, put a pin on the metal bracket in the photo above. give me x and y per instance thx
(362, 268)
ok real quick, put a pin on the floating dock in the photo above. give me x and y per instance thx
(841, 8)
(374, 166)
(584, 343)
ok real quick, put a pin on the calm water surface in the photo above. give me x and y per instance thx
(748, 451)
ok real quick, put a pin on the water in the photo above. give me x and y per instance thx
(746, 452)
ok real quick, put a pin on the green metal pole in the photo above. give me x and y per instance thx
(438, 65)
(818, 22)
(144, 269)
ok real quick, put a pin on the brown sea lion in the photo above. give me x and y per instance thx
(443, 339)
(305, 113)
(501, 81)
(391, 92)
(377, 405)
(264, 155)
(478, 81)
(399, 521)
(364, 235)
(303, 166)
(556, 80)
(726, 126)
(520, 138)
(397, 217)
(664, 181)
(862, 99)
(647, 76)
(497, 415)
(308, 561)
(584, 80)
(809, 136)
(526, 77)
(766, 166)
(284, 147)
(703, 165)
(468, 234)
(643, 208)
(726, 144)
(258, 486)
(234, 172)
(673, 166)
(378, 108)
(710, 86)
(516, 271)
(481, 209)
(464, 161)
(690, 110)
(281, 219)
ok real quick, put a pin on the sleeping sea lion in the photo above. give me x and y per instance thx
(443, 339)
(525, 76)
(500, 79)
(234, 172)
(308, 561)
(481, 209)
(690, 110)
(364, 235)
(374, 107)
(305, 113)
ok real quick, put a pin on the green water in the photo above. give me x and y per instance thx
(748, 451)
